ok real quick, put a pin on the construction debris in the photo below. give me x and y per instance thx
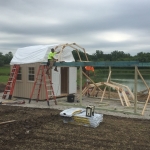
(11, 102)
(78, 116)
(6, 122)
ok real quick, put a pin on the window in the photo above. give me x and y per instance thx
(19, 75)
(31, 74)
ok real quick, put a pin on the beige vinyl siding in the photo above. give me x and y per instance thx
(24, 87)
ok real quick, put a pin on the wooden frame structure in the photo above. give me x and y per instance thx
(73, 46)
(119, 87)
(148, 89)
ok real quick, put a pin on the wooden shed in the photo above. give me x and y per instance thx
(30, 58)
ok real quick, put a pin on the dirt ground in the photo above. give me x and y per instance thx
(43, 128)
(36, 128)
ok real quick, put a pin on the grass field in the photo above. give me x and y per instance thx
(100, 74)
(4, 74)
(5, 70)
(4, 79)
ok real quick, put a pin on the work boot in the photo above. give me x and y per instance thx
(55, 69)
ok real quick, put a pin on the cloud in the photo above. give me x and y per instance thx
(97, 24)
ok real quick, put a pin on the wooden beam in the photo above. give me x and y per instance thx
(109, 82)
(113, 86)
(82, 49)
(121, 85)
(6, 122)
(97, 64)
(143, 79)
(76, 50)
(81, 86)
(120, 98)
(146, 103)
(91, 81)
(125, 98)
(135, 89)
(106, 86)
(93, 91)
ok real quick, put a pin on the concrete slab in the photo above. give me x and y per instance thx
(108, 107)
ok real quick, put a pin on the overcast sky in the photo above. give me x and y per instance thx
(106, 25)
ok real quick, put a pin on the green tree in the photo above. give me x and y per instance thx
(8, 57)
(1, 59)
(143, 57)
(81, 54)
(98, 56)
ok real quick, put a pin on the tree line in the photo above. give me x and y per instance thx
(113, 56)
(5, 59)
(97, 56)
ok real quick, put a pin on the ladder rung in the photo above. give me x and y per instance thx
(42, 68)
(11, 82)
(50, 83)
(11, 78)
(42, 79)
(47, 80)
(50, 95)
(38, 83)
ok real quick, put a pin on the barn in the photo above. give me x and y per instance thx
(30, 58)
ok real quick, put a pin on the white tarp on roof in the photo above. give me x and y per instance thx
(39, 53)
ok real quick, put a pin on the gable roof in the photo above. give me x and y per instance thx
(39, 53)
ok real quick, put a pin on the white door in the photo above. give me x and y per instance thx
(56, 81)
(72, 80)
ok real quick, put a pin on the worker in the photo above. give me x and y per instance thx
(52, 60)
(88, 69)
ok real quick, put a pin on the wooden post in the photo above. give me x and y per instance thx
(109, 82)
(135, 90)
(80, 85)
